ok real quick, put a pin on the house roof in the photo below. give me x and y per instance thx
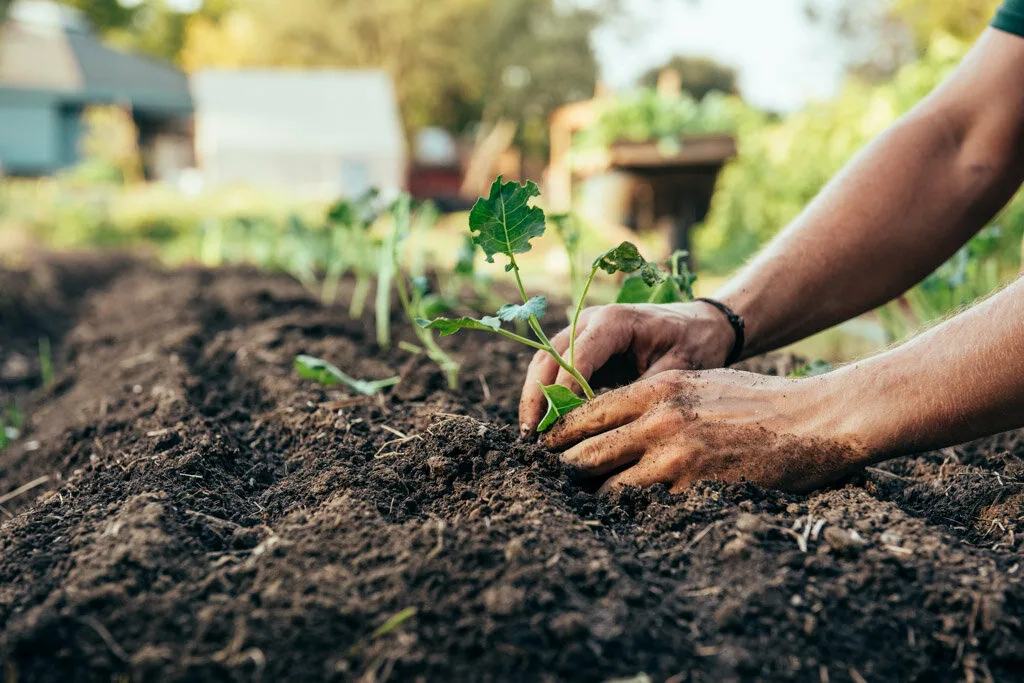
(47, 49)
(353, 111)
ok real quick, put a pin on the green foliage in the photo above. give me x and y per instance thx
(394, 622)
(649, 116)
(449, 326)
(654, 286)
(783, 165)
(318, 370)
(561, 402)
(11, 421)
(504, 222)
(698, 76)
(411, 295)
(535, 307)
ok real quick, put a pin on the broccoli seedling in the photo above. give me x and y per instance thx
(319, 370)
(654, 286)
(504, 223)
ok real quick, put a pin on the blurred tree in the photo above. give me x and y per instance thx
(963, 19)
(152, 27)
(454, 62)
(534, 56)
(700, 75)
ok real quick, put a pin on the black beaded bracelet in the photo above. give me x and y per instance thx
(738, 326)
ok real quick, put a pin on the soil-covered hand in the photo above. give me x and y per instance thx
(647, 338)
(681, 427)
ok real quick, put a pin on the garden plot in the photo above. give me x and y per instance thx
(208, 515)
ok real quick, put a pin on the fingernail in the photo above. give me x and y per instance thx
(524, 430)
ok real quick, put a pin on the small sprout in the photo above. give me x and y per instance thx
(46, 361)
(318, 370)
(394, 622)
(561, 401)
(537, 306)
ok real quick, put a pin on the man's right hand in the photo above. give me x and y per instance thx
(656, 337)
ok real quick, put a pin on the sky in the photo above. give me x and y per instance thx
(783, 60)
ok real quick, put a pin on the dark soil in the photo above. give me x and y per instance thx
(207, 516)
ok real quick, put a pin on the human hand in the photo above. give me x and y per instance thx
(652, 338)
(681, 427)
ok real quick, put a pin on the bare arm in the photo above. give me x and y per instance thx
(900, 209)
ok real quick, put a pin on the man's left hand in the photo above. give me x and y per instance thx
(680, 427)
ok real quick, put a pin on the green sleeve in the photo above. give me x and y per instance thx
(1010, 17)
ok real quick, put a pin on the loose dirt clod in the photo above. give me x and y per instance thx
(260, 539)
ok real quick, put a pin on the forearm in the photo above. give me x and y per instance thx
(959, 381)
(901, 208)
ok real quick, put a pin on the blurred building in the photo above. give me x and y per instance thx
(52, 68)
(319, 131)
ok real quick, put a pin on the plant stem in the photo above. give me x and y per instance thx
(359, 294)
(545, 343)
(576, 316)
(434, 352)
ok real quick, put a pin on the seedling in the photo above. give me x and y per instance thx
(46, 362)
(410, 294)
(319, 370)
(504, 223)
(675, 287)
(10, 426)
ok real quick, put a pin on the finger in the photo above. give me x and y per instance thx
(670, 361)
(542, 370)
(604, 413)
(644, 474)
(605, 453)
(594, 347)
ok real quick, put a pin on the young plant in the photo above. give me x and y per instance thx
(654, 286)
(504, 223)
(411, 295)
(319, 370)
(351, 248)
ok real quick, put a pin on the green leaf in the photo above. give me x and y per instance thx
(318, 370)
(561, 401)
(636, 291)
(504, 222)
(434, 305)
(394, 622)
(447, 326)
(537, 306)
(624, 258)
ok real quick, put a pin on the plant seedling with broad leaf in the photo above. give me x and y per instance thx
(504, 224)
(654, 286)
(319, 370)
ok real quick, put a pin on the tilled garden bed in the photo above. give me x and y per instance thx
(208, 516)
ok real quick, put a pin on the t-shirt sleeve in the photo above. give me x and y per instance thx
(1010, 17)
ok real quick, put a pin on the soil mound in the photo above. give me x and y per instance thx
(207, 516)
